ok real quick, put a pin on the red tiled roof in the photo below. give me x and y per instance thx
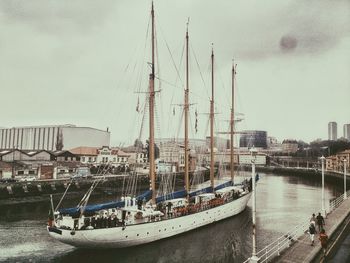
(84, 150)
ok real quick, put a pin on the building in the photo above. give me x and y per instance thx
(289, 146)
(47, 171)
(332, 131)
(346, 131)
(246, 159)
(239, 158)
(137, 155)
(336, 162)
(222, 157)
(51, 138)
(87, 155)
(5, 170)
(64, 156)
(173, 153)
(112, 156)
(271, 141)
(248, 139)
(12, 155)
(331, 163)
(219, 143)
(273, 146)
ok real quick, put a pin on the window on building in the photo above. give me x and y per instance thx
(20, 172)
(89, 159)
(83, 159)
(114, 159)
(31, 172)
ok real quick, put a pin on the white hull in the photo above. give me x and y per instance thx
(138, 234)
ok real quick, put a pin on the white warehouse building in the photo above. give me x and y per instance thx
(52, 137)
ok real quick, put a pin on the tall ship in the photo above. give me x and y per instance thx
(149, 217)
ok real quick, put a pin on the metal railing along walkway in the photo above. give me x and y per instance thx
(283, 242)
(337, 202)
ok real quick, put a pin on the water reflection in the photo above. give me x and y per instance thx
(282, 202)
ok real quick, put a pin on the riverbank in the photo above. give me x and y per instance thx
(36, 191)
(330, 177)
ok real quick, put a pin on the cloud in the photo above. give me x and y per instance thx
(65, 61)
(254, 29)
(57, 17)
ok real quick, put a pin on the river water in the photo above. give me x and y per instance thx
(282, 203)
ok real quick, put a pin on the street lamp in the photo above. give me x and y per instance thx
(323, 205)
(253, 153)
(344, 178)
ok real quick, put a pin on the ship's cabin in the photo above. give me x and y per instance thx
(202, 198)
(231, 192)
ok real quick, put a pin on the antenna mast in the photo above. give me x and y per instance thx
(212, 123)
(232, 121)
(186, 108)
(151, 119)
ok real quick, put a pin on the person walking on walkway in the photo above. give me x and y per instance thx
(320, 222)
(312, 231)
(324, 240)
(313, 218)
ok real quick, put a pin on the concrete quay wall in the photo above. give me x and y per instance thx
(331, 177)
(43, 188)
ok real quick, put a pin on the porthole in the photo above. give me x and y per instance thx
(126, 236)
(138, 234)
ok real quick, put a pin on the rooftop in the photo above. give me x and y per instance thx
(84, 150)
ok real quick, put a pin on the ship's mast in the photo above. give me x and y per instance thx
(232, 122)
(212, 123)
(186, 109)
(151, 119)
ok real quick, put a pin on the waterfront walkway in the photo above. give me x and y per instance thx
(301, 250)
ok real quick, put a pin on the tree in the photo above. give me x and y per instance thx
(138, 144)
(156, 150)
(302, 145)
(59, 140)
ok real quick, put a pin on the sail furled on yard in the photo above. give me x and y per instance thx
(91, 209)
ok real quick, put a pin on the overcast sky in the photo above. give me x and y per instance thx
(83, 62)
